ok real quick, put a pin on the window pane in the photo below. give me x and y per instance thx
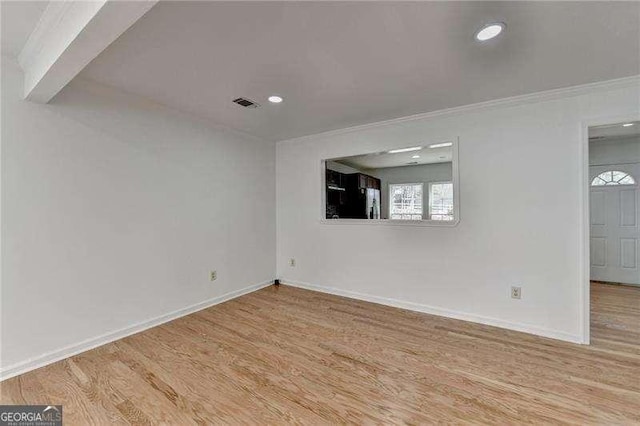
(441, 201)
(613, 177)
(618, 175)
(627, 180)
(405, 201)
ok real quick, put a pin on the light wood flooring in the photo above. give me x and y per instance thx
(286, 355)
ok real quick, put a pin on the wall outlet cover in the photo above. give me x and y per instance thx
(213, 275)
(516, 292)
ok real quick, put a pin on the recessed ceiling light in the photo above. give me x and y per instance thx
(413, 148)
(490, 31)
(416, 156)
(627, 125)
(441, 145)
(275, 99)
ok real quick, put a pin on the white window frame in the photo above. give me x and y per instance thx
(389, 198)
(429, 200)
(614, 185)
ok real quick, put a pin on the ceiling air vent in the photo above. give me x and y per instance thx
(247, 103)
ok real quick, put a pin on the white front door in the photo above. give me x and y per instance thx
(615, 224)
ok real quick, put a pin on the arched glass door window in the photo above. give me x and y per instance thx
(613, 177)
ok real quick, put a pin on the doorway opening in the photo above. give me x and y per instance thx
(614, 233)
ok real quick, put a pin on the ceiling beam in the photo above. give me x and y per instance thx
(68, 36)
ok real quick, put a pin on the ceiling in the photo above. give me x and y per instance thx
(340, 64)
(18, 21)
(614, 131)
(381, 160)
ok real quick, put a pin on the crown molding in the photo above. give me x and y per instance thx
(547, 95)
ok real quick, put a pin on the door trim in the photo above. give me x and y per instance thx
(584, 264)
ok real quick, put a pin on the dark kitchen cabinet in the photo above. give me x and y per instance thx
(366, 181)
(358, 195)
(333, 177)
(362, 180)
(336, 194)
(346, 194)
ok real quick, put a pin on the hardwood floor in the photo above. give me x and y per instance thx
(615, 314)
(286, 355)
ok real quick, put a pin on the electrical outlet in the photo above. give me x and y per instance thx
(516, 292)
(292, 262)
(213, 275)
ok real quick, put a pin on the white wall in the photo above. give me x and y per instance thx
(115, 209)
(424, 174)
(615, 151)
(521, 214)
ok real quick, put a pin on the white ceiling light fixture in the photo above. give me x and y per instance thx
(490, 31)
(627, 125)
(413, 148)
(441, 145)
(275, 99)
(416, 156)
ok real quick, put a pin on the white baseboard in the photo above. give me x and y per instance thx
(418, 307)
(68, 351)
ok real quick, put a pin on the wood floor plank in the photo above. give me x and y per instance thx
(78, 408)
(287, 355)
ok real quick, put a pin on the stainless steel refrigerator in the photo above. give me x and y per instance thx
(373, 203)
